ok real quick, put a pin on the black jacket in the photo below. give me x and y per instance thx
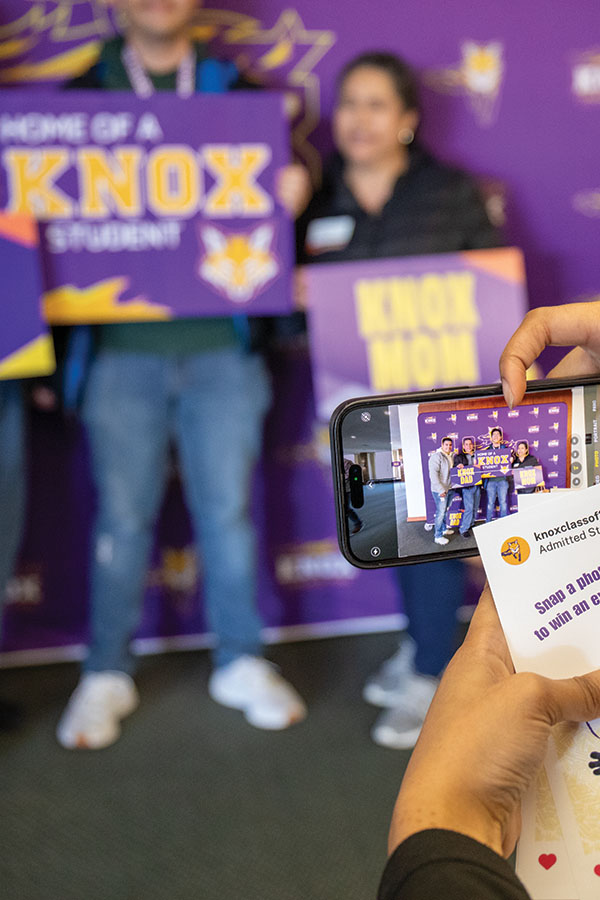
(434, 209)
(461, 459)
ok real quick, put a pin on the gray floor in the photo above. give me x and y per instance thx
(194, 803)
(378, 516)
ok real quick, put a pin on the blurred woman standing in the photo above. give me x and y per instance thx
(383, 196)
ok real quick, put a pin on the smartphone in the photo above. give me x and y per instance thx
(414, 474)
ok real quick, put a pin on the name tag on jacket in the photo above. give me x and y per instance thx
(330, 233)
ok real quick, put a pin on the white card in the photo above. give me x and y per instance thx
(576, 791)
(543, 565)
(542, 858)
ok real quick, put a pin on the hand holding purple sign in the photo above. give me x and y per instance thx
(25, 344)
(411, 323)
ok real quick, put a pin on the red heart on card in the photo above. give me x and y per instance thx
(547, 860)
(596, 870)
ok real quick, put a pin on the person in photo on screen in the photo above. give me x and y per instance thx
(523, 460)
(200, 384)
(496, 486)
(470, 495)
(440, 464)
(384, 195)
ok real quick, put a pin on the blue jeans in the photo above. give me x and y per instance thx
(496, 487)
(212, 404)
(470, 498)
(12, 477)
(441, 504)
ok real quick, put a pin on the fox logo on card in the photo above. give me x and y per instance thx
(515, 551)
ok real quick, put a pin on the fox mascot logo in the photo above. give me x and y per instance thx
(482, 68)
(515, 551)
(478, 75)
(238, 265)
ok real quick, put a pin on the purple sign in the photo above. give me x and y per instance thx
(414, 323)
(151, 209)
(25, 344)
(494, 462)
(465, 476)
(528, 477)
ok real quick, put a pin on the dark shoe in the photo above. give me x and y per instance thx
(467, 534)
(10, 715)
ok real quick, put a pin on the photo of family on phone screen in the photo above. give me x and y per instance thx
(420, 476)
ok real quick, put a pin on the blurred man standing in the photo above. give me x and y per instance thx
(197, 383)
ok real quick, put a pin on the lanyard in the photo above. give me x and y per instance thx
(141, 84)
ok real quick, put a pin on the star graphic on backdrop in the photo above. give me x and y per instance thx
(291, 51)
(57, 18)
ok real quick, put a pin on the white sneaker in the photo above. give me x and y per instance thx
(251, 684)
(441, 540)
(400, 726)
(387, 686)
(98, 703)
(449, 531)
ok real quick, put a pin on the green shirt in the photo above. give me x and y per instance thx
(181, 336)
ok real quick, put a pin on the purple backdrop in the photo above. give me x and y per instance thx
(543, 425)
(509, 92)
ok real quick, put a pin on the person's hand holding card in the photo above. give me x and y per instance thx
(484, 739)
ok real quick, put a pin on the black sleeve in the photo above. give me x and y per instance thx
(444, 864)
(90, 80)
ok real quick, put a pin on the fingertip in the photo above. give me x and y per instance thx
(508, 394)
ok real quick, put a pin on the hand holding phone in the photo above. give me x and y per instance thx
(428, 468)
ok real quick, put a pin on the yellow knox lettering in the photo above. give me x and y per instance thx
(236, 170)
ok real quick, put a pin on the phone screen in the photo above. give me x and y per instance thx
(419, 477)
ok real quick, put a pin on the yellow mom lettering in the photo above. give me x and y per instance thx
(169, 181)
